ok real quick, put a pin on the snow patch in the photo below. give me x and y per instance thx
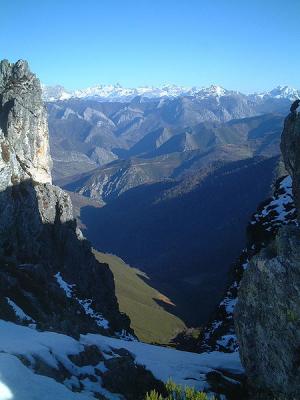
(226, 341)
(280, 209)
(85, 303)
(66, 287)
(100, 321)
(19, 312)
(229, 304)
(5, 392)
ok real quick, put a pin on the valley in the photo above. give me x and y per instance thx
(204, 217)
(178, 174)
(174, 201)
(149, 200)
(74, 317)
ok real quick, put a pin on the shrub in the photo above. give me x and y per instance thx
(153, 395)
(291, 316)
(177, 392)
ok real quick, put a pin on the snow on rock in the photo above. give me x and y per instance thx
(219, 334)
(124, 335)
(85, 303)
(184, 368)
(227, 341)
(229, 304)
(18, 311)
(100, 321)
(66, 287)
(54, 350)
(19, 343)
(279, 210)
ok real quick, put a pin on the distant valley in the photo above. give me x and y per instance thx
(170, 182)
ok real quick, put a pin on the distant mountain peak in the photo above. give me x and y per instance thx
(212, 91)
(285, 92)
(280, 92)
(119, 93)
(54, 93)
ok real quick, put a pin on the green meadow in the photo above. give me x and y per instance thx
(150, 321)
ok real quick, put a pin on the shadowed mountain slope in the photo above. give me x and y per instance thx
(184, 235)
(47, 269)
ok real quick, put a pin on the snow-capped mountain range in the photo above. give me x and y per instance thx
(119, 93)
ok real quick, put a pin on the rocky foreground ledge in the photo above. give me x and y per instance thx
(267, 315)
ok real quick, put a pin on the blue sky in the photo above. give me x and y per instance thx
(245, 45)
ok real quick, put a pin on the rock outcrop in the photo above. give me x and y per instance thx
(49, 277)
(23, 127)
(290, 148)
(267, 315)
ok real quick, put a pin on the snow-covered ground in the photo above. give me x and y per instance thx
(21, 347)
(183, 367)
(18, 382)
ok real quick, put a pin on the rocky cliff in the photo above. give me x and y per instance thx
(49, 277)
(267, 315)
(23, 127)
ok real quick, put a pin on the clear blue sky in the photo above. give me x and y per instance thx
(246, 45)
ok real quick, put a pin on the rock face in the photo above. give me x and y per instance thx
(48, 274)
(23, 127)
(267, 315)
(290, 148)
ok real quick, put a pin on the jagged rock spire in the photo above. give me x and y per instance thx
(24, 141)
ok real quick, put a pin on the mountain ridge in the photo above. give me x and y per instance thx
(120, 93)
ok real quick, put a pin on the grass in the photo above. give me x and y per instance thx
(151, 323)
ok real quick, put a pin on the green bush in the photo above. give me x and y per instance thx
(177, 392)
(291, 316)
